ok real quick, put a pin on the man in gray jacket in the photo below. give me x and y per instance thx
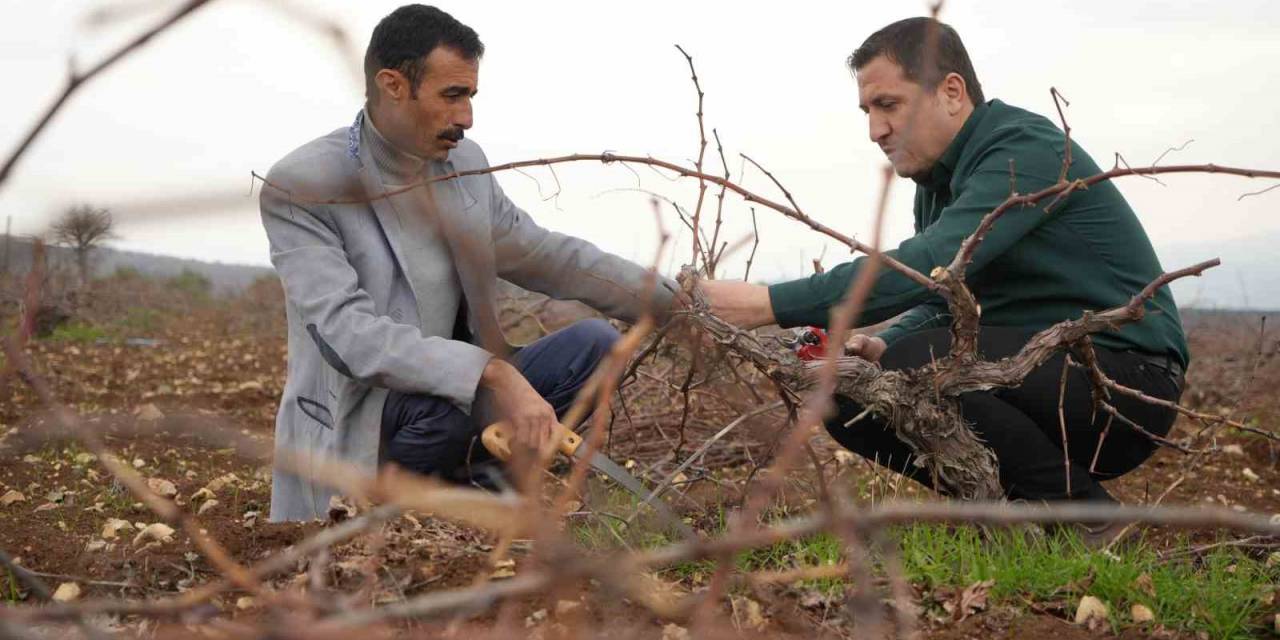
(395, 352)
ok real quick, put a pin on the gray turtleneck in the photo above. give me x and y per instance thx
(426, 255)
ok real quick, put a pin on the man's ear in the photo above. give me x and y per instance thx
(392, 84)
(954, 93)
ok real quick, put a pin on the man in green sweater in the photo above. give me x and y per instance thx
(1035, 268)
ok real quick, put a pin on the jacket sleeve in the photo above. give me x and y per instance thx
(352, 337)
(930, 315)
(569, 268)
(809, 300)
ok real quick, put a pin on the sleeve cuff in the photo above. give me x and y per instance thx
(465, 364)
(794, 304)
(892, 334)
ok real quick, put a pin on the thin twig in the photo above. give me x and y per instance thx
(76, 79)
(755, 235)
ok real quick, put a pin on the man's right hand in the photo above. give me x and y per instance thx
(531, 418)
(865, 347)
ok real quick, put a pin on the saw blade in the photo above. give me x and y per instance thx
(604, 465)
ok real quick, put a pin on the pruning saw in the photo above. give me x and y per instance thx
(497, 439)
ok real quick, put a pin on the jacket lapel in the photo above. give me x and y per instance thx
(383, 210)
(469, 242)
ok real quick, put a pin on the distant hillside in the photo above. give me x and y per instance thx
(226, 278)
(1249, 277)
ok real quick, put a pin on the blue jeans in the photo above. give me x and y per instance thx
(431, 436)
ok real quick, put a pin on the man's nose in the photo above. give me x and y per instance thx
(463, 118)
(878, 128)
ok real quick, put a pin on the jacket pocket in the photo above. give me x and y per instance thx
(317, 411)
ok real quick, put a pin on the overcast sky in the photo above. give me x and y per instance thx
(168, 137)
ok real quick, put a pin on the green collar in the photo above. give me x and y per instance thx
(940, 174)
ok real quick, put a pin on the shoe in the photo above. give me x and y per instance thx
(1105, 536)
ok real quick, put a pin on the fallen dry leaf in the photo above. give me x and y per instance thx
(66, 592)
(202, 494)
(11, 496)
(245, 603)
(535, 618)
(149, 413)
(1140, 613)
(971, 600)
(1145, 585)
(218, 483)
(755, 615)
(46, 506)
(503, 569)
(162, 487)
(114, 526)
(675, 632)
(157, 532)
(340, 510)
(567, 607)
(208, 504)
(1091, 612)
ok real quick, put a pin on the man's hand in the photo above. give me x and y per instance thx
(531, 418)
(741, 304)
(865, 347)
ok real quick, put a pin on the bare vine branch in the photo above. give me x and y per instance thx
(76, 79)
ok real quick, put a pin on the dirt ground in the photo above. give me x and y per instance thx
(167, 407)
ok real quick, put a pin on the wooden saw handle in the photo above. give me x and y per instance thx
(497, 439)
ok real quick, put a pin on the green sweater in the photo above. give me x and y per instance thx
(1033, 269)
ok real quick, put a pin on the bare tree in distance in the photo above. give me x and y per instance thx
(82, 228)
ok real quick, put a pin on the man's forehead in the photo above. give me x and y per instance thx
(444, 66)
(879, 71)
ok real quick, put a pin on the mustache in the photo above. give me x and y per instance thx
(454, 134)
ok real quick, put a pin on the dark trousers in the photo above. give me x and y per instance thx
(431, 436)
(1021, 425)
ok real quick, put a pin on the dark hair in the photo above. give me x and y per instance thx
(402, 40)
(926, 49)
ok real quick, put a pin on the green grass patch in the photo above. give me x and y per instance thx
(78, 332)
(1222, 594)
(1226, 594)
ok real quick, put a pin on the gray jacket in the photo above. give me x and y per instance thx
(373, 295)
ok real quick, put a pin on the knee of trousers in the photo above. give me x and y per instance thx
(434, 437)
(595, 335)
(595, 332)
